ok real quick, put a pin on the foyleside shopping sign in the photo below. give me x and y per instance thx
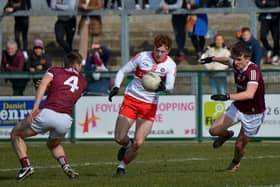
(175, 118)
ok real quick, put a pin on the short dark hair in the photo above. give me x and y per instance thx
(244, 29)
(241, 49)
(163, 39)
(73, 57)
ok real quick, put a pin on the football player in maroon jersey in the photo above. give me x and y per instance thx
(248, 104)
(65, 86)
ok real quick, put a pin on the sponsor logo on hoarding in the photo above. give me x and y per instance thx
(212, 111)
(12, 111)
(90, 119)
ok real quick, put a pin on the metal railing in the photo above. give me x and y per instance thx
(194, 82)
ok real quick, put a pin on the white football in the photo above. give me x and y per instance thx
(151, 81)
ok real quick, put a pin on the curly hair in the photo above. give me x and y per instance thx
(163, 39)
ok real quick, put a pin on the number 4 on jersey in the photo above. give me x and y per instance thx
(73, 83)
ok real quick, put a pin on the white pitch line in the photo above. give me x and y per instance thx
(143, 162)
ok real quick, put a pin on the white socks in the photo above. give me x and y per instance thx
(122, 165)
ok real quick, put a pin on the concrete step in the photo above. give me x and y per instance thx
(142, 29)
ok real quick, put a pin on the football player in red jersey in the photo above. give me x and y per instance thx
(248, 104)
(139, 105)
(65, 86)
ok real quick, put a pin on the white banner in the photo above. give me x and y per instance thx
(96, 117)
(270, 128)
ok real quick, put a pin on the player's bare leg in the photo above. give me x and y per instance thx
(58, 153)
(123, 124)
(19, 132)
(219, 128)
(121, 135)
(143, 128)
(239, 151)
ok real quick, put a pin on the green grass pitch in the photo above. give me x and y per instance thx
(160, 163)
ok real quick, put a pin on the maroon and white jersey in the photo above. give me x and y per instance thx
(141, 64)
(251, 75)
(65, 89)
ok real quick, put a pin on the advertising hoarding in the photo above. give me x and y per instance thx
(175, 117)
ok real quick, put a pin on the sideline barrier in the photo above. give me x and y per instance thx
(176, 118)
(187, 115)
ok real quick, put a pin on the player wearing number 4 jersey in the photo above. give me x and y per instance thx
(65, 86)
(248, 103)
(140, 105)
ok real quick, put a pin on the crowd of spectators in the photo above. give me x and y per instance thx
(18, 57)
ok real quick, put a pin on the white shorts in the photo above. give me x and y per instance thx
(251, 123)
(58, 124)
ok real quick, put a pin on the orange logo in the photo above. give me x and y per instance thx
(89, 120)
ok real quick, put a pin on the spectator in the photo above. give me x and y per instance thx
(253, 44)
(146, 4)
(13, 61)
(96, 63)
(89, 26)
(269, 23)
(38, 60)
(197, 26)
(178, 23)
(49, 3)
(221, 3)
(21, 22)
(112, 4)
(65, 25)
(218, 80)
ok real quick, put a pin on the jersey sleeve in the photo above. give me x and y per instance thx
(127, 68)
(170, 78)
(51, 71)
(254, 75)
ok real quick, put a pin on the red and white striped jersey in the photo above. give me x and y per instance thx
(141, 64)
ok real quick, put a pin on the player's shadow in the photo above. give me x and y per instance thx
(3, 178)
(188, 170)
(92, 175)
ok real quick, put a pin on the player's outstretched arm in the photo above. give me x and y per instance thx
(222, 60)
(249, 93)
(42, 89)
